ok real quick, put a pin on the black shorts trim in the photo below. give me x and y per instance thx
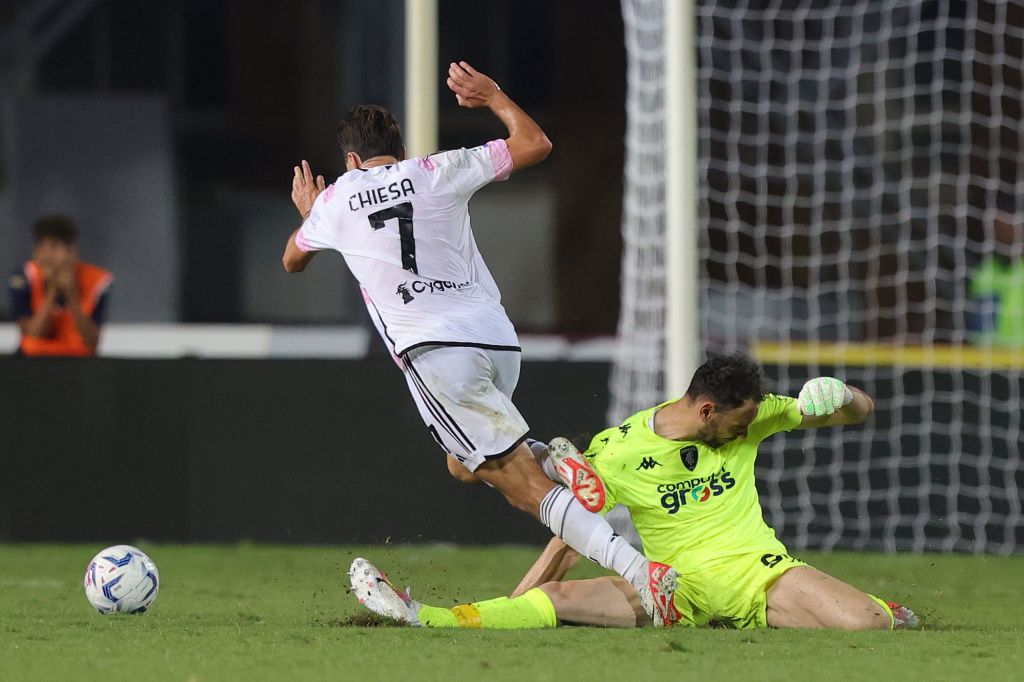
(508, 452)
(436, 409)
(459, 344)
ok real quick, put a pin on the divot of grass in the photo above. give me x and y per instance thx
(367, 620)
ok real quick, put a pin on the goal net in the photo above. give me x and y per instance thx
(860, 184)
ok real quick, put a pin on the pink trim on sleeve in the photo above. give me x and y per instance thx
(427, 163)
(302, 242)
(501, 158)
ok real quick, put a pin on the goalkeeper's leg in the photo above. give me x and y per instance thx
(608, 602)
(604, 602)
(520, 477)
(804, 597)
(557, 558)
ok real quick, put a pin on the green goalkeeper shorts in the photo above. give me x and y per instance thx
(732, 593)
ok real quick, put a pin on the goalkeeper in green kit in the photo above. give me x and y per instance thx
(685, 471)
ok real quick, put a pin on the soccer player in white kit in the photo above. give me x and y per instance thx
(403, 228)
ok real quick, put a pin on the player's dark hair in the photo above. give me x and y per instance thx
(728, 380)
(370, 130)
(59, 227)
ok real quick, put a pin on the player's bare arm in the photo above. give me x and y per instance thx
(826, 401)
(527, 143)
(305, 190)
(550, 567)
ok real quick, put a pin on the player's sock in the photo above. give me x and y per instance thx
(533, 609)
(589, 534)
(544, 459)
(887, 609)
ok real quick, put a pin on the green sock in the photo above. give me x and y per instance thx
(530, 610)
(888, 611)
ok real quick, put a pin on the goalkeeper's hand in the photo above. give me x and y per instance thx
(822, 396)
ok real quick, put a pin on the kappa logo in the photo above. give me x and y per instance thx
(403, 291)
(625, 428)
(688, 455)
(648, 463)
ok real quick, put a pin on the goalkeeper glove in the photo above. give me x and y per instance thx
(822, 396)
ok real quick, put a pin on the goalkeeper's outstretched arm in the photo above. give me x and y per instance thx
(827, 401)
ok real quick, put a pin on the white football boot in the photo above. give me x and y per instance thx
(576, 473)
(374, 591)
(656, 587)
(903, 618)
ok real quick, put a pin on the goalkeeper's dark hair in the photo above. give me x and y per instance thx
(727, 380)
(59, 227)
(370, 130)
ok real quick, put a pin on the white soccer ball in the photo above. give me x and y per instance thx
(121, 579)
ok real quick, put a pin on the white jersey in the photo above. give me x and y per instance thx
(405, 234)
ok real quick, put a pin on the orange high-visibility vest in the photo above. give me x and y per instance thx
(65, 339)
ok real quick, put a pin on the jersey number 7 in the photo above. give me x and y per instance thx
(403, 212)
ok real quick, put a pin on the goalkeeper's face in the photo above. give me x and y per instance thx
(722, 426)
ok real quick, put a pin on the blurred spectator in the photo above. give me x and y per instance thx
(997, 285)
(57, 300)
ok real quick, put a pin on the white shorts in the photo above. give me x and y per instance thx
(464, 395)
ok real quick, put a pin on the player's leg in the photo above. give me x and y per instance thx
(477, 422)
(518, 477)
(608, 602)
(557, 558)
(605, 602)
(460, 473)
(804, 597)
(372, 588)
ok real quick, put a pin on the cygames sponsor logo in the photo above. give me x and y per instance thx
(436, 286)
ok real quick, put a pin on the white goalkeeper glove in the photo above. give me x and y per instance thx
(822, 396)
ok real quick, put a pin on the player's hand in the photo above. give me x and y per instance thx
(305, 190)
(822, 396)
(472, 89)
(64, 281)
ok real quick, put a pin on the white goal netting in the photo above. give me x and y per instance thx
(860, 169)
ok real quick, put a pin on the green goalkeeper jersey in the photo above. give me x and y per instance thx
(998, 290)
(693, 505)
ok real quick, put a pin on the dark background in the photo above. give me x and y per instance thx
(252, 87)
(334, 452)
(282, 451)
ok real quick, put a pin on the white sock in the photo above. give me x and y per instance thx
(543, 457)
(589, 534)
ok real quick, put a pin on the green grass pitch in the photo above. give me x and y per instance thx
(251, 612)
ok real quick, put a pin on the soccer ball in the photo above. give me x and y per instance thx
(121, 579)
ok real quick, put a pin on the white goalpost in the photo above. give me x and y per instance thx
(421, 76)
(682, 324)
